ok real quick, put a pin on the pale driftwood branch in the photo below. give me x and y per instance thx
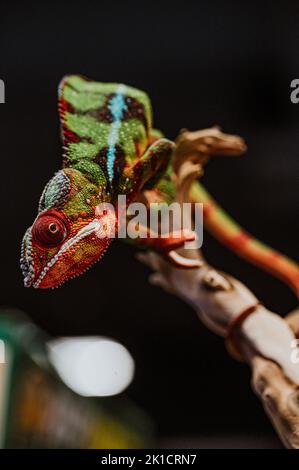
(263, 338)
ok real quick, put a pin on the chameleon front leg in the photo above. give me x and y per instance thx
(146, 172)
(149, 168)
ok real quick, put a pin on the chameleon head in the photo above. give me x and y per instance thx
(69, 233)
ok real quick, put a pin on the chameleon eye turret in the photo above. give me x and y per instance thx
(50, 229)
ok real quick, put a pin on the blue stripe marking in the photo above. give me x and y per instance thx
(117, 107)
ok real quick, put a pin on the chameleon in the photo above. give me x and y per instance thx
(111, 148)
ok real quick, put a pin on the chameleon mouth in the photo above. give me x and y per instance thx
(89, 229)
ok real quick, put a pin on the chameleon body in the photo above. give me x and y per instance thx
(111, 148)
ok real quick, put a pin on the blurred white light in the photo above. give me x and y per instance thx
(92, 366)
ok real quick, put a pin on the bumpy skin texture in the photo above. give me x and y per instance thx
(110, 148)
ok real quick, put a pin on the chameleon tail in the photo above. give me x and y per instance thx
(232, 235)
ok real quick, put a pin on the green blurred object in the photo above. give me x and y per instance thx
(37, 410)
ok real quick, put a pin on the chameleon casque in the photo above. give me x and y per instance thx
(111, 148)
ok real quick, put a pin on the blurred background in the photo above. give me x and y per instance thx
(202, 63)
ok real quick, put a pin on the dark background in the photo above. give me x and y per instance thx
(202, 63)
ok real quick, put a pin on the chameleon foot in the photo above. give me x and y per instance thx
(167, 246)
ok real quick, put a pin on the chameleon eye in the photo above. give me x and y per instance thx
(49, 230)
